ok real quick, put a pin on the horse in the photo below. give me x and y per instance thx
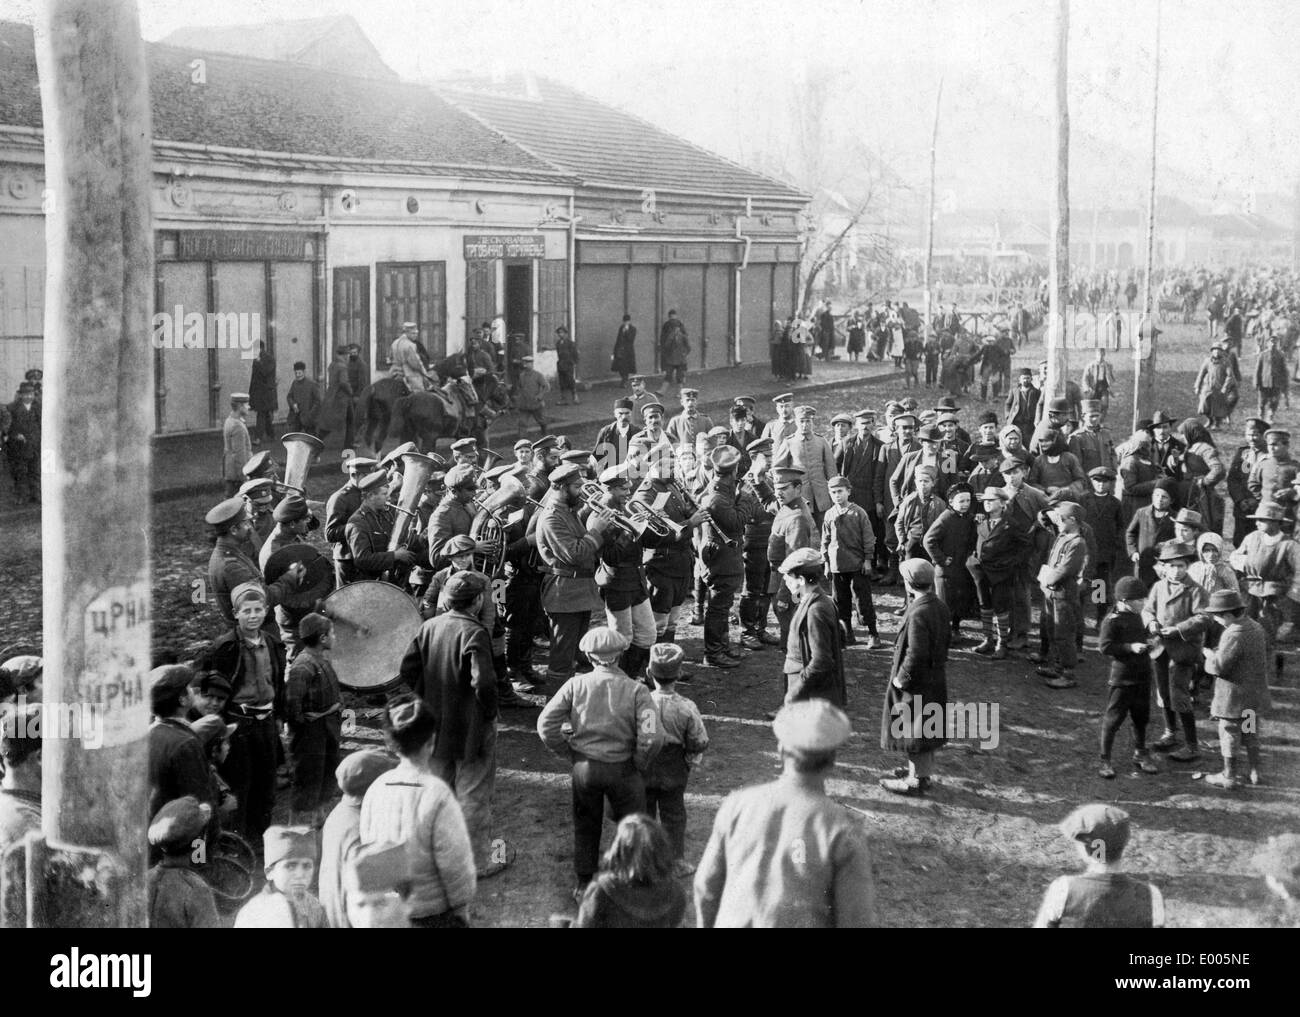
(375, 409)
(427, 417)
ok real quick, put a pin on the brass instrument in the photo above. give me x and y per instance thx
(713, 538)
(300, 452)
(416, 471)
(655, 521)
(490, 524)
(593, 497)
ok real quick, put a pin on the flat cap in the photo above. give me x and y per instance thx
(759, 446)
(838, 481)
(211, 728)
(227, 511)
(804, 561)
(917, 571)
(812, 725)
(1130, 588)
(724, 457)
(1098, 822)
(214, 681)
(1011, 463)
(1280, 431)
(497, 472)
(865, 415)
(522, 444)
(356, 464)
(1059, 406)
(179, 822)
(372, 481)
(983, 450)
(603, 641)
(904, 417)
(283, 842)
(695, 392)
(990, 493)
(842, 418)
(1222, 601)
(565, 473)
(171, 676)
(581, 456)
(1101, 473)
(379, 868)
(358, 770)
(465, 584)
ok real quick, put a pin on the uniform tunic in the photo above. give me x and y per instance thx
(237, 449)
(684, 428)
(452, 518)
(792, 529)
(812, 455)
(1093, 448)
(368, 532)
(569, 557)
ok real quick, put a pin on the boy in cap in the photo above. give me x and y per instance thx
(917, 511)
(1122, 637)
(613, 736)
(792, 528)
(312, 706)
(685, 739)
(849, 546)
(530, 391)
(1239, 664)
(814, 661)
(341, 834)
(179, 898)
(177, 766)
(1103, 897)
(1103, 512)
(377, 888)
(1059, 581)
(1000, 543)
(1150, 527)
(236, 445)
(1269, 563)
(949, 542)
(286, 901)
(1175, 614)
(746, 878)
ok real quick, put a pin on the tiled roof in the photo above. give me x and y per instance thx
(286, 108)
(286, 40)
(602, 145)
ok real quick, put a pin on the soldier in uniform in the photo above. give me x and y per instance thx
(546, 457)
(746, 879)
(783, 426)
(641, 396)
(260, 496)
(621, 577)
(338, 510)
(230, 566)
(811, 453)
(684, 427)
(523, 459)
(1092, 445)
(755, 597)
(669, 564)
(1239, 471)
(237, 446)
(454, 515)
(720, 554)
(1274, 474)
(569, 552)
(900, 443)
(792, 528)
(370, 528)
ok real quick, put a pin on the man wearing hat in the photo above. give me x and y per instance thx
(261, 465)
(747, 879)
(814, 664)
(848, 542)
(1239, 664)
(230, 565)
(856, 460)
(917, 512)
(454, 515)
(1274, 475)
(653, 437)
(613, 736)
(236, 445)
(1097, 383)
(902, 481)
(1059, 580)
(783, 426)
(530, 392)
(1216, 387)
(811, 453)
(341, 834)
(612, 441)
(259, 495)
(1240, 467)
(177, 766)
(523, 463)
(641, 396)
(719, 544)
(1175, 615)
(369, 529)
(405, 356)
(669, 564)
(918, 679)
(546, 457)
(687, 425)
(949, 542)
(1024, 505)
(1058, 411)
(1092, 444)
(570, 554)
(792, 529)
(338, 510)
(740, 436)
(1102, 511)
(304, 401)
(902, 442)
(293, 521)
(1165, 446)
(1269, 564)
(1021, 405)
(983, 460)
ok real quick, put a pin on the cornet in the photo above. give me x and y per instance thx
(655, 521)
(592, 495)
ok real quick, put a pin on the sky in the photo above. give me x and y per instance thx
(732, 75)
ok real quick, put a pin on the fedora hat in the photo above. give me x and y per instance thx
(1161, 417)
(1268, 510)
(1223, 601)
(1173, 550)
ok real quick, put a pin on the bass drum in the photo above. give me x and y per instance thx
(374, 624)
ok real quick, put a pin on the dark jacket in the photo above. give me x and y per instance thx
(920, 665)
(176, 765)
(1005, 547)
(1103, 513)
(623, 360)
(610, 904)
(262, 397)
(1119, 630)
(449, 666)
(857, 464)
(1145, 532)
(815, 640)
(225, 654)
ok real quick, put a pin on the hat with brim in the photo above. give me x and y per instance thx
(1268, 511)
(1161, 417)
(179, 822)
(1101, 473)
(1189, 518)
(1175, 550)
(565, 474)
(1223, 601)
(228, 511)
(930, 433)
(652, 408)
(604, 642)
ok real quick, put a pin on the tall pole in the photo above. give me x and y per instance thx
(1059, 261)
(1144, 375)
(929, 228)
(98, 416)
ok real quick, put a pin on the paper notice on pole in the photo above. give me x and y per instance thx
(117, 660)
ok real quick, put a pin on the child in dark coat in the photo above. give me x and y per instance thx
(1123, 638)
(634, 888)
(685, 740)
(178, 896)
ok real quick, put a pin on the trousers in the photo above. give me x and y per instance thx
(848, 585)
(567, 628)
(1060, 626)
(314, 749)
(522, 610)
(1123, 702)
(594, 783)
(474, 781)
(637, 622)
(722, 592)
(249, 769)
(753, 597)
(668, 805)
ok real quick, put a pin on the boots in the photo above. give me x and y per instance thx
(1003, 628)
(1228, 778)
(990, 639)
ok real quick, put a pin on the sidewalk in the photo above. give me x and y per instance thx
(188, 465)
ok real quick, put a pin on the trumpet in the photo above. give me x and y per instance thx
(655, 521)
(592, 495)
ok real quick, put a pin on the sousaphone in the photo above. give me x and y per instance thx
(374, 624)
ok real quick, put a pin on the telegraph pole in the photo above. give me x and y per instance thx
(1059, 260)
(929, 230)
(1144, 378)
(98, 416)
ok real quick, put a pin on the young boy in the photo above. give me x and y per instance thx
(1123, 638)
(949, 542)
(685, 739)
(312, 704)
(286, 901)
(1103, 897)
(1175, 613)
(178, 896)
(917, 511)
(1239, 666)
(1269, 563)
(377, 887)
(1059, 581)
(1188, 527)
(1103, 512)
(1150, 527)
(849, 544)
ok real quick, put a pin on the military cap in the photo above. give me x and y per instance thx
(990, 493)
(281, 843)
(719, 432)
(1097, 822)
(893, 404)
(1269, 511)
(1068, 510)
(788, 475)
(604, 641)
(649, 407)
(239, 397)
(1089, 406)
(1101, 473)
(1162, 417)
(812, 725)
(465, 584)
(1010, 463)
(1282, 431)
(258, 464)
(988, 417)
(805, 412)
(497, 472)
(759, 446)
(689, 392)
(180, 822)
(930, 432)
(1260, 422)
(865, 415)
(461, 476)
(292, 507)
(379, 868)
(842, 418)
(522, 444)
(1173, 550)
(1223, 601)
(1130, 588)
(623, 404)
(1280, 859)
(634, 378)
(1025, 372)
(373, 481)
(724, 457)
(1058, 406)
(359, 770)
(545, 443)
(581, 456)
(917, 571)
(258, 489)
(565, 473)
(900, 418)
(616, 476)
(358, 463)
(746, 401)
(665, 664)
(806, 561)
(1189, 518)
(458, 544)
(784, 397)
(465, 445)
(212, 728)
(983, 450)
(838, 481)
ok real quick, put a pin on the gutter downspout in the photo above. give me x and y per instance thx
(744, 264)
(574, 219)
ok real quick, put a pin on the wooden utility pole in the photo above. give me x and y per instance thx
(929, 229)
(1144, 372)
(1059, 261)
(98, 416)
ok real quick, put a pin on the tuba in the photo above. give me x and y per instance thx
(300, 452)
(417, 469)
(490, 524)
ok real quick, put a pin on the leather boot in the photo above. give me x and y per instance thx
(990, 639)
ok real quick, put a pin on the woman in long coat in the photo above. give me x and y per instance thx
(1138, 473)
(338, 396)
(919, 679)
(1216, 388)
(1199, 474)
(623, 360)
